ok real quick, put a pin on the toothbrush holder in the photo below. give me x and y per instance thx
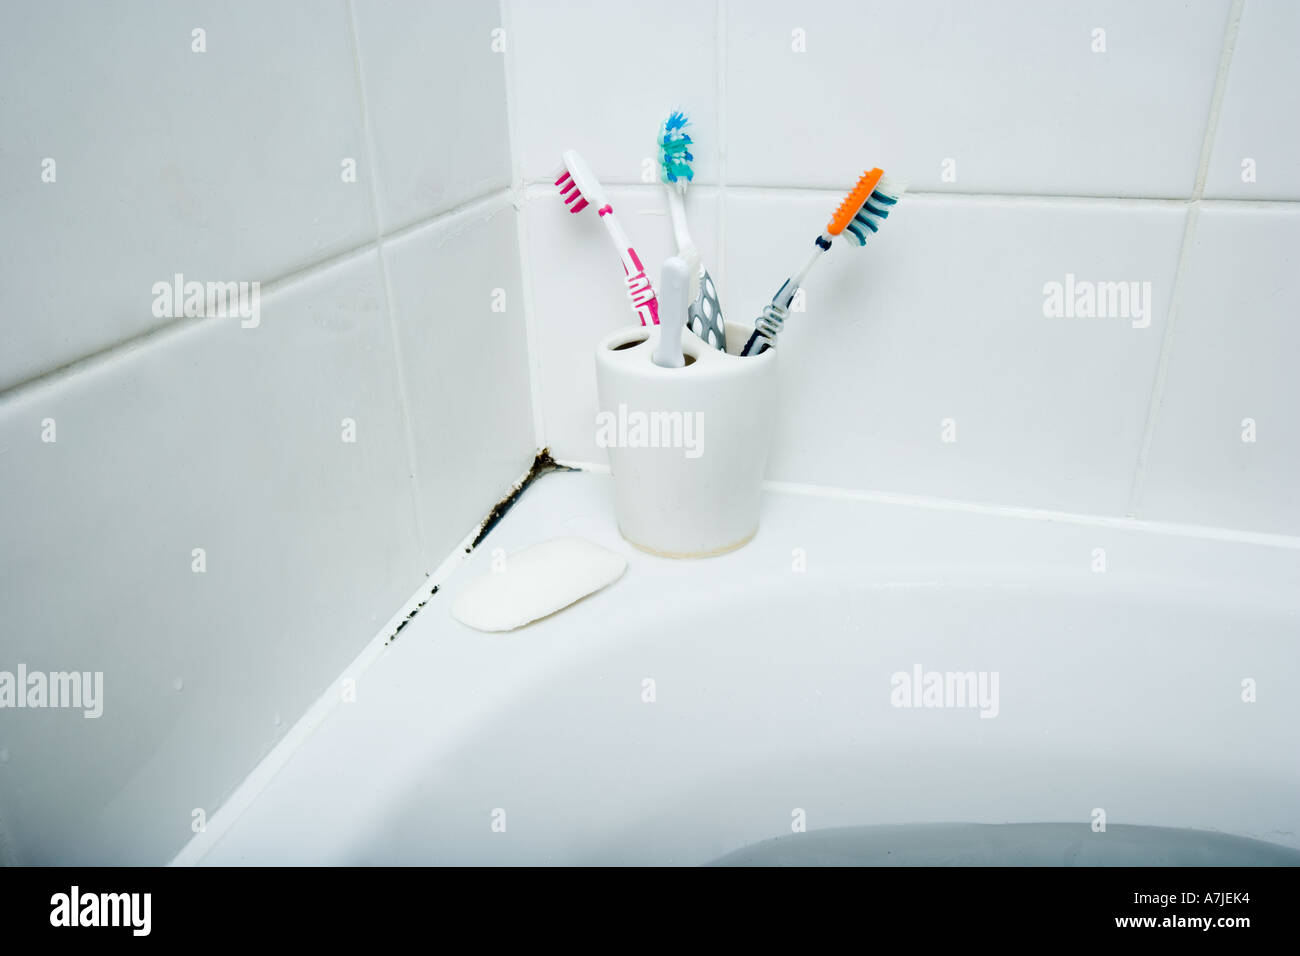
(687, 446)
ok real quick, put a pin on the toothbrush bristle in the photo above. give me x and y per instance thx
(569, 191)
(858, 195)
(873, 210)
(675, 156)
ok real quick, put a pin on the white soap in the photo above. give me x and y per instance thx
(537, 581)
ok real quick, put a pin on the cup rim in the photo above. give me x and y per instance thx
(631, 338)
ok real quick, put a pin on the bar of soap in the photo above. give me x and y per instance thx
(537, 581)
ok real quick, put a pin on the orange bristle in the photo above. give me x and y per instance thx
(853, 201)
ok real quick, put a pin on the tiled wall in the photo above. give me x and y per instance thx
(393, 302)
(1109, 141)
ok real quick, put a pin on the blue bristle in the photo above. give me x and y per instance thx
(867, 220)
(675, 157)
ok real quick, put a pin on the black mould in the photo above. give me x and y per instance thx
(407, 620)
(542, 464)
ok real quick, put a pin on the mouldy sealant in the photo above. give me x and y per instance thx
(542, 464)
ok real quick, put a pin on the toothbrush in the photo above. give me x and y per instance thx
(705, 312)
(859, 215)
(579, 187)
(678, 288)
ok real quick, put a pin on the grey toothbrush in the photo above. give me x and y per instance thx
(704, 313)
(857, 217)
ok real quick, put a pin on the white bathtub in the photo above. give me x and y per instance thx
(775, 699)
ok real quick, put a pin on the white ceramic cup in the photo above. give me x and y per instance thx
(687, 446)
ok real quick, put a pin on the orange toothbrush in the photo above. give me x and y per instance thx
(858, 216)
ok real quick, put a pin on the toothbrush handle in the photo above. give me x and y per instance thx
(644, 302)
(677, 207)
(673, 287)
(770, 323)
(639, 289)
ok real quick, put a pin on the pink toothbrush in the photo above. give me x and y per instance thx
(579, 187)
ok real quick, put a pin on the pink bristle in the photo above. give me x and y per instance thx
(569, 191)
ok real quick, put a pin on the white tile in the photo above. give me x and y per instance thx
(1234, 358)
(215, 437)
(942, 317)
(579, 296)
(600, 77)
(223, 165)
(1260, 103)
(436, 103)
(1011, 91)
(465, 365)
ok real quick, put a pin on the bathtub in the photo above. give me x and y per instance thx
(877, 667)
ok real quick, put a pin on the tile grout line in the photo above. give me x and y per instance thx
(1216, 99)
(530, 190)
(540, 189)
(394, 334)
(721, 90)
(172, 327)
(269, 288)
(451, 212)
(1021, 198)
(1156, 395)
(520, 199)
(1138, 486)
(531, 335)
